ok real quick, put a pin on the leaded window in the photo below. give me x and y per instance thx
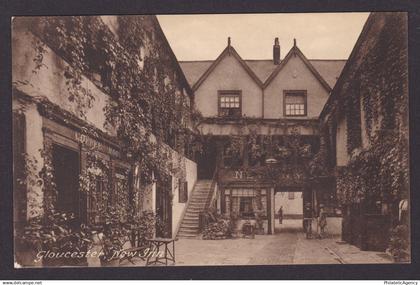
(295, 103)
(230, 104)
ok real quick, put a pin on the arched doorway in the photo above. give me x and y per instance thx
(290, 201)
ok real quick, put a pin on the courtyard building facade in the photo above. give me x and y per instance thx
(365, 127)
(113, 133)
(260, 121)
(95, 101)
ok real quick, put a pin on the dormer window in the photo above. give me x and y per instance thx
(230, 104)
(295, 103)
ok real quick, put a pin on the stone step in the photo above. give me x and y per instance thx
(192, 216)
(196, 208)
(194, 211)
(189, 226)
(198, 201)
(197, 205)
(187, 235)
(195, 198)
(198, 191)
(188, 231)
(199, 198)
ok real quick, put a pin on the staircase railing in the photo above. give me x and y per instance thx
(210, 201)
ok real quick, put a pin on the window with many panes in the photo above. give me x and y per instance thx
(230, 104)
(295, 103)
(291, 195)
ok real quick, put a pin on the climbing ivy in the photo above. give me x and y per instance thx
(148, 107)
(378, 169)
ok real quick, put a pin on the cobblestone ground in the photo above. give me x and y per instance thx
(287, 246)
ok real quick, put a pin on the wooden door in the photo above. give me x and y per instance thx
(66, 163)
(164, 206)
(207, 160)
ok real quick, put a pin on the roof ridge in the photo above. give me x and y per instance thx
(196, 60)
(311, 59)
(328, 59)
(296, 51)
(230, 50)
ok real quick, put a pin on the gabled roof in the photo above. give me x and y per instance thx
(262, 68)
(193, 70)
(295, 51)
(228, 51)
(328, 69)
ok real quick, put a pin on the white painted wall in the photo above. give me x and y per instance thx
(295, 75)
(290, 206)
(49, 81)
(341, 143)
(178, 209)
(229, 75)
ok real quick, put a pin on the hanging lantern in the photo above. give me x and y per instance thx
(271, 161)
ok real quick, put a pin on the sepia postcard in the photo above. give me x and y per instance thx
(210, 139)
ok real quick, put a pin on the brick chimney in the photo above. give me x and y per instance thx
(276, 51)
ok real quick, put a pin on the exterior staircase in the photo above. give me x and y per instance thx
(190, 224)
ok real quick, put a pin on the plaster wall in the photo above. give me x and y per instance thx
(291, 207)
(341, 143)
(178, 209)
(49, 80)
(295, 75)
(229, 75)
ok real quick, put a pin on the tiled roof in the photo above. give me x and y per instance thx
(194, 69)
(262, 68)
(329, 69)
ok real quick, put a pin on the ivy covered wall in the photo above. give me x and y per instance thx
(372, 96)
(116, 75)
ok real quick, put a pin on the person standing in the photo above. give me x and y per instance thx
(280, 212)
(322, 221)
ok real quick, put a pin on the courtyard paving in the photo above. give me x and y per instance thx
(287, 246)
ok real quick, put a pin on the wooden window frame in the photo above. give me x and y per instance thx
(291, 195)
(221, 93)
(296, 92)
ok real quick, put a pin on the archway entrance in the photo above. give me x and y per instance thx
(291, 215)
